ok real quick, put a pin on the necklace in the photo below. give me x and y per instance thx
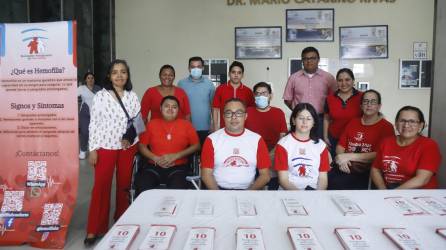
(168, 132)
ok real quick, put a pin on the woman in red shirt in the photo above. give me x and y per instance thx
(408, 160)
(150, 103)
(166, 143)
(340, 108)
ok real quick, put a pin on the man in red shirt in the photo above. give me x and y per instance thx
(234, 88)
(269, 122)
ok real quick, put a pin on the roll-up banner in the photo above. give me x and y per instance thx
(38, 132)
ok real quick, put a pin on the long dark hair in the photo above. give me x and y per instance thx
(86, 75)
(296, 111)
(107, 82)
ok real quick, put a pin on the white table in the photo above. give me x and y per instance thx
(323, 216)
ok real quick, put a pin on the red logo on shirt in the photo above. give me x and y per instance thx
(391, 163)
(359, 136)
(302, 170)
(235, 161)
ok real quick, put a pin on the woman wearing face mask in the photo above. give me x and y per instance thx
(408, 160)
(86, 92)
(152, 97)
(267, 121)
(358, 144)
(166, 144)
(301, 158)
(340, 108)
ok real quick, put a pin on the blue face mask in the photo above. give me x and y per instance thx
(195, 73)
(262, 101)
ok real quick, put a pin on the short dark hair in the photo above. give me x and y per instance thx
(170, 97)
(235, 100)
(86, 75)
(237, 64)
(107, 82)
(166, 66)
(345, 70)
(196, 59)
(296, 111)
(378, 95)
(308, 50)
(412, 108)
(262, 85)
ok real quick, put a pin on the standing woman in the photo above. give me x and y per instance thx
(340, 108)
(108, 150)
(150, 104)
(408, 160)
(86, 92)
(358, 144)
(301, 158)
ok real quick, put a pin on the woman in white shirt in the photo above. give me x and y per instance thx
(108, 149)
(86, 92)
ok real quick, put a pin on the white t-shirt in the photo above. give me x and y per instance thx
(235, 158)
(86, 95)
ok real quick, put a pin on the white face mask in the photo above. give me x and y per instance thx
(261, 101)
(195, 73)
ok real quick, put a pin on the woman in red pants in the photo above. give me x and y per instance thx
(108, 149)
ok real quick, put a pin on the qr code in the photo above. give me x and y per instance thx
(51, 213)
(36, 171)
(13, 201)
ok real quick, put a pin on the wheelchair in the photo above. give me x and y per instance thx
(193, 174)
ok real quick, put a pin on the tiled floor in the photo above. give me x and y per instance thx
(76, 230)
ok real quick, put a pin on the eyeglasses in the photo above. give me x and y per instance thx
(307, 59)
(409, 122)
(264, 93)
(230, 114)
(371, 102)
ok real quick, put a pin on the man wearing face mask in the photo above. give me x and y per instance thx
(267, 121)
(200, 92)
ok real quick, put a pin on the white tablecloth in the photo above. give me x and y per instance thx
(323, 216)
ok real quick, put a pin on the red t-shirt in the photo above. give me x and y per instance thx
(269, 124)
(341, 113)
(359, 138)
(151, 102)
(400, 164)
(225, 92)
(158, 131)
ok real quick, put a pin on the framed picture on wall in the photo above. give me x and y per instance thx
(363, 42)
(415, 74)
(310, 25)
(258, 42)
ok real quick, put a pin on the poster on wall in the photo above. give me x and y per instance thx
(363, 42)
(310, 25)
(258, 42)
(415, 74)
(38, 131)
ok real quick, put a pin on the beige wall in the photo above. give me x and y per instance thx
(152, 33)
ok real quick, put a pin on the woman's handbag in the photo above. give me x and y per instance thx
(135, 125)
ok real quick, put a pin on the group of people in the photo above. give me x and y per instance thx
(337, 137)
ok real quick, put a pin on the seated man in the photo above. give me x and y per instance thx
(230, 155)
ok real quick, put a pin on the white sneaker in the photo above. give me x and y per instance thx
(82, 155)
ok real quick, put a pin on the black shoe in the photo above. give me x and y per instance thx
(89, 242)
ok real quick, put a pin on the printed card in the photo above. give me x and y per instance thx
(204, 207)
(403, 238)
(120, 237)
(432, 204)
(405, 206)
(167, 207)
(294, 207)
(352, 238)
(303, 238)
(159, 237)
(246, 207)
(250, 239)
(346, 205)
(441, 232)
(200, 238)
